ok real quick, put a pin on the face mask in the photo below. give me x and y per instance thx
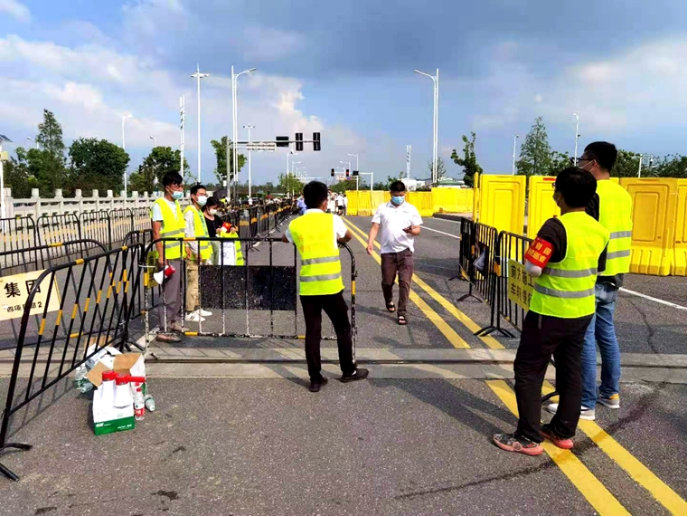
(202, 200)
(397, 200)
(212, 212)
(177, 194)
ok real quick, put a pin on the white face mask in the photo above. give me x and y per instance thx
(212, 211)
(202, 200)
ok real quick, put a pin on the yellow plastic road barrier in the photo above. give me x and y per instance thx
(678, 266)
(422, 201)
(654, 217)
(452, 200)
(352, 202)
(541, 205)
(502, 202)
(476, 196)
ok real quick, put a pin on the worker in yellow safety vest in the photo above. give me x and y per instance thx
(612, 206)
(230, 255)
(200, 252)
(316, 235)
(167, 222)
(564, 258)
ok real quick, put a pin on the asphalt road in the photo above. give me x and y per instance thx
(382, 446)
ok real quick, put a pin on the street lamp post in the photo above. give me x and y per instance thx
(235, 118)
(575, 149)
(124, 148)
(356, 155)
(435, 118)
(513, 158)
(198, 76)
(249, 127)
(3, 139)
(291, 180)
(640, 161)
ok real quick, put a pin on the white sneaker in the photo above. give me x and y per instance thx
(194, 316)
(586, 414)
(613, 402)
(204, 313)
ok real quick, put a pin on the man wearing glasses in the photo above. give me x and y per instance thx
(612, 207)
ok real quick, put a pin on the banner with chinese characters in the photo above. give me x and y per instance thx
(520, 284)
(15, 289)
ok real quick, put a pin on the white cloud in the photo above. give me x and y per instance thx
(266, 44)
(16, 9)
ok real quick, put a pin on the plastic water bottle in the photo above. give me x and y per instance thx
(139, 403)
(150, 403)
(80, 377)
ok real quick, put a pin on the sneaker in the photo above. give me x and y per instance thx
(358, 375)
(316, 385)
(176, 327)
(562, 443)
(613, 402)
(168, 338)
(585, 414)
(515, 443)
(204, 313)
(194, 317)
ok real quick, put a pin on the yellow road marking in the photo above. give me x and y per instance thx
(446, 304)
(585, 481)
(638, 472)
(448, 332)
(580, 476)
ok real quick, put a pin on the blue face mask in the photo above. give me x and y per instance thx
(397, 200)
(177, 194)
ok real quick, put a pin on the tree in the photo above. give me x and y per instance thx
(441, 168)
(469, 161)
(159, 162)
(535, 158)
(343, 186)
(17, 177)
(289, 183)
(559, 161)
(50, 135)
(221, 156)
(96, 164)
(671, 166)
(47, 165)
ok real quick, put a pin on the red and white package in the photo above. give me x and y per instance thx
(539, 252)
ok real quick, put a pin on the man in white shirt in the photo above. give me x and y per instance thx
(340, 204)
(398, 222)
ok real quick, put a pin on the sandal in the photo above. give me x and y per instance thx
(401, 320)
(391, 307)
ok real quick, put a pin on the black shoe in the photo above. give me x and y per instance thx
(358, 375)
(316, 385)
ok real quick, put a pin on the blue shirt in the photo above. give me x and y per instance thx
(302, 206)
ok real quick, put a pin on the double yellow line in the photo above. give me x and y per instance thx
(600, 498)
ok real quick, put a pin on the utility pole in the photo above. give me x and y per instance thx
(408, 162)
(513, 158)
(249, 127)
(182, 107)
(435, 118)
(575, 149)
(198, 76)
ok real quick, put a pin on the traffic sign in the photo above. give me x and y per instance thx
(261, 146)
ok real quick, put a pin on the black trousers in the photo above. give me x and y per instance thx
(542, 337)
(336, 309)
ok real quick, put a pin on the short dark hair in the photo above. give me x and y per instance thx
(315, 194)
(577, 186)
(194, 190)
(397, 186)
(172, 178)
(603, 153)
(212, 201)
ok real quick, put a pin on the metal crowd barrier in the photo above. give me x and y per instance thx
(512, 247)
(56, 228)
(71, 312)
(263, 284)
(17, 233)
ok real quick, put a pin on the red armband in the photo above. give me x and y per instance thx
(539, 252)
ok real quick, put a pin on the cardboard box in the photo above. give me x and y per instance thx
(128, 364)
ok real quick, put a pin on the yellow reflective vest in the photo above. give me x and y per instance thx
(616, 206)
(237, 246)
(566, 289)
(173, 226)
(314, 237)
(200, 230)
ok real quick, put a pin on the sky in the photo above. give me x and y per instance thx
(345, 69)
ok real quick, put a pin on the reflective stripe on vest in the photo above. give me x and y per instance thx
(616, 207)
(566, 289)
(200, 230)
(172, 228)
(321, 270)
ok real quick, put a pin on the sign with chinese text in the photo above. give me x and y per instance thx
(15, 289)
(539, 252)
(520, 285)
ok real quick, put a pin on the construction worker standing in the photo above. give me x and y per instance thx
(565, 258)
(168, 223)
(201, 251)
(612, 206)
(231, 254)
(315, 235)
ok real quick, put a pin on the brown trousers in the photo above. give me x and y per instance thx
(397, 264)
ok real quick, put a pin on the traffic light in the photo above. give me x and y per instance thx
(347, 173)
(355, 173)
(316, 142)
(299, 141)
(332, 173)
(282, 141)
